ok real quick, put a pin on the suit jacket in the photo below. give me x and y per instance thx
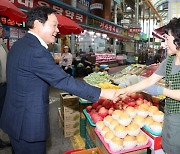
(30, 71)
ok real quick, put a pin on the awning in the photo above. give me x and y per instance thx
(68, 26)
(9, 10)
(159, 30)
(157, 35)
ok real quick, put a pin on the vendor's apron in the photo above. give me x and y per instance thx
(171, 128)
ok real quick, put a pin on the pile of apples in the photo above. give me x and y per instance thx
(104, 107)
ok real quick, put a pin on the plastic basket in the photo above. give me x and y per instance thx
(121, 151)
(83, 101)
(151, 131)
(89, 118)
(88, 142)
(83, 127)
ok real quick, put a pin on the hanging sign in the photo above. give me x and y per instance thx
(96, 6)
(134, 30)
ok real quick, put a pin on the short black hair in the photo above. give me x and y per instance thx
(38, 13)
(174, 27)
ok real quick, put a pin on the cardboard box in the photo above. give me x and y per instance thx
(68, 100)
(70, 127)
(88, 151)
(155, 140)
(69, 106)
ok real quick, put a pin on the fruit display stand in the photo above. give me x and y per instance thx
(104, 147)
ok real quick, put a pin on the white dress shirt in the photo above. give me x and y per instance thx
(3, 59)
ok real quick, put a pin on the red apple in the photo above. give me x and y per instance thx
(132, 103)
(145, 101)
(107, 104)
(140, 96)
(92, 112)
(97, 118)
(136, 106)
(93, 115)
(128, 99)
(98, 107)
(134, 95)
(123, 97)
(124, 106)
(94, 105)
(110, 111)
(89, 108)
(103, 112)
(117, 106)
(101, 100)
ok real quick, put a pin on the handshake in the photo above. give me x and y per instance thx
(115, 94)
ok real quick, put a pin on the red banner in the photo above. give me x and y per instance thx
(29, 4)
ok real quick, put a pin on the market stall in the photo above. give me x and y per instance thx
(131, 125)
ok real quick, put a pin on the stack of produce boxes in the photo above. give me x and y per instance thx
(69, 115)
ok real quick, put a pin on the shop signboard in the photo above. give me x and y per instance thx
(84, 5)
(14, 32)
(96, 6)
(134, 30)
(112, 28)
(29, 4)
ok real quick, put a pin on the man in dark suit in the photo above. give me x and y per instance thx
(30, 71)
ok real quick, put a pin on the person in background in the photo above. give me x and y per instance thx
(3, 57)
(30, 71)
(91, 50)
(140, 57)
(157, 56)
(66, 60)
(170, 69)
(87, 64)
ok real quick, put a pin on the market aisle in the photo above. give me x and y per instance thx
(56, 144)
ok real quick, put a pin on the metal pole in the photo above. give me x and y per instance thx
(149, 27)
(72, 45)
(115, 21)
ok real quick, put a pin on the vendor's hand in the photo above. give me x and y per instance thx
(154, 90)
(111, 94)
(120, 93)
(66, 68)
